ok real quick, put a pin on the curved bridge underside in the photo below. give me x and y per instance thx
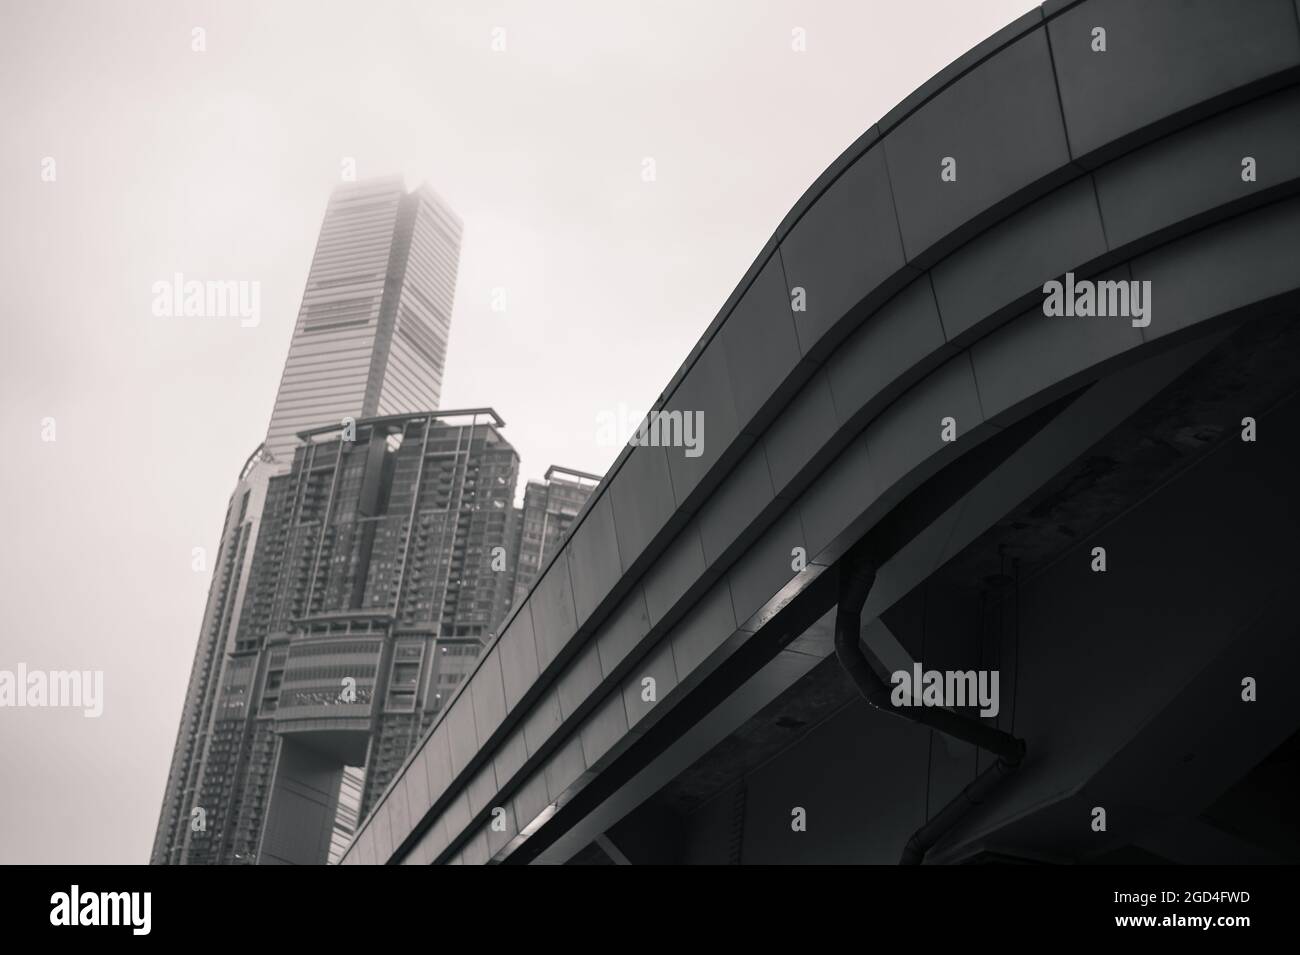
(825, 429)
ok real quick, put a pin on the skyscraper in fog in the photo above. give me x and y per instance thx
(371, 336)
(370, 340)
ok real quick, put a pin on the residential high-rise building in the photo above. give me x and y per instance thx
(370, 340)
(371, 592)
(371, 335)
(181, 811)
(550, 506)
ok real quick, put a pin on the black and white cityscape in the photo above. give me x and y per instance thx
(596, 434)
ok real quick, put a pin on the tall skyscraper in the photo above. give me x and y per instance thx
(550, 506)
(371, 336)
(370, 340)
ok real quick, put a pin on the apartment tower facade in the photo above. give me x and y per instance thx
(370, 340)
(549, 509)
(372, 594)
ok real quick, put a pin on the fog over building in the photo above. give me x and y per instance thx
(369, 552)
(370, 340)
(371, 336)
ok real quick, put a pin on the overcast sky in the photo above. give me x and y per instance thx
(218, 165)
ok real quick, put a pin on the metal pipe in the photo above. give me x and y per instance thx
(975, 794)
(856, 579)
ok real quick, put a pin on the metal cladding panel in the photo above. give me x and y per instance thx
(500, 833)
(488, 695)
(733, 507)
(1015, 257)
(554, 616)
(899, 336)
(399, 811)
(802, 429)
(543, 720)
(564, 768)
(519, 665)
(476, 849)
(844, 248)
(701, 415)
(1200, 168)
(767, 566)
(972, 58)
(1034, 352)
(364, 847)
(758, 339)
(911, 430)
(531, 799)
(705, 628)
(1162, 57)
(510, 756)
(418, 776)
(604, 728)
(844, 490)
(1000, 124)
(622, 631)
(460, 732)
(640, 697)
(384, 834)
(433, 841)
(457, 813)
(594, 563)
(677, 569)
(1229, 266)
(579, 680)
(438, 766)
(642, 497)
(482, 788)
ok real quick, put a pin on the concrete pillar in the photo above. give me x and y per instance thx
(303, 804)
